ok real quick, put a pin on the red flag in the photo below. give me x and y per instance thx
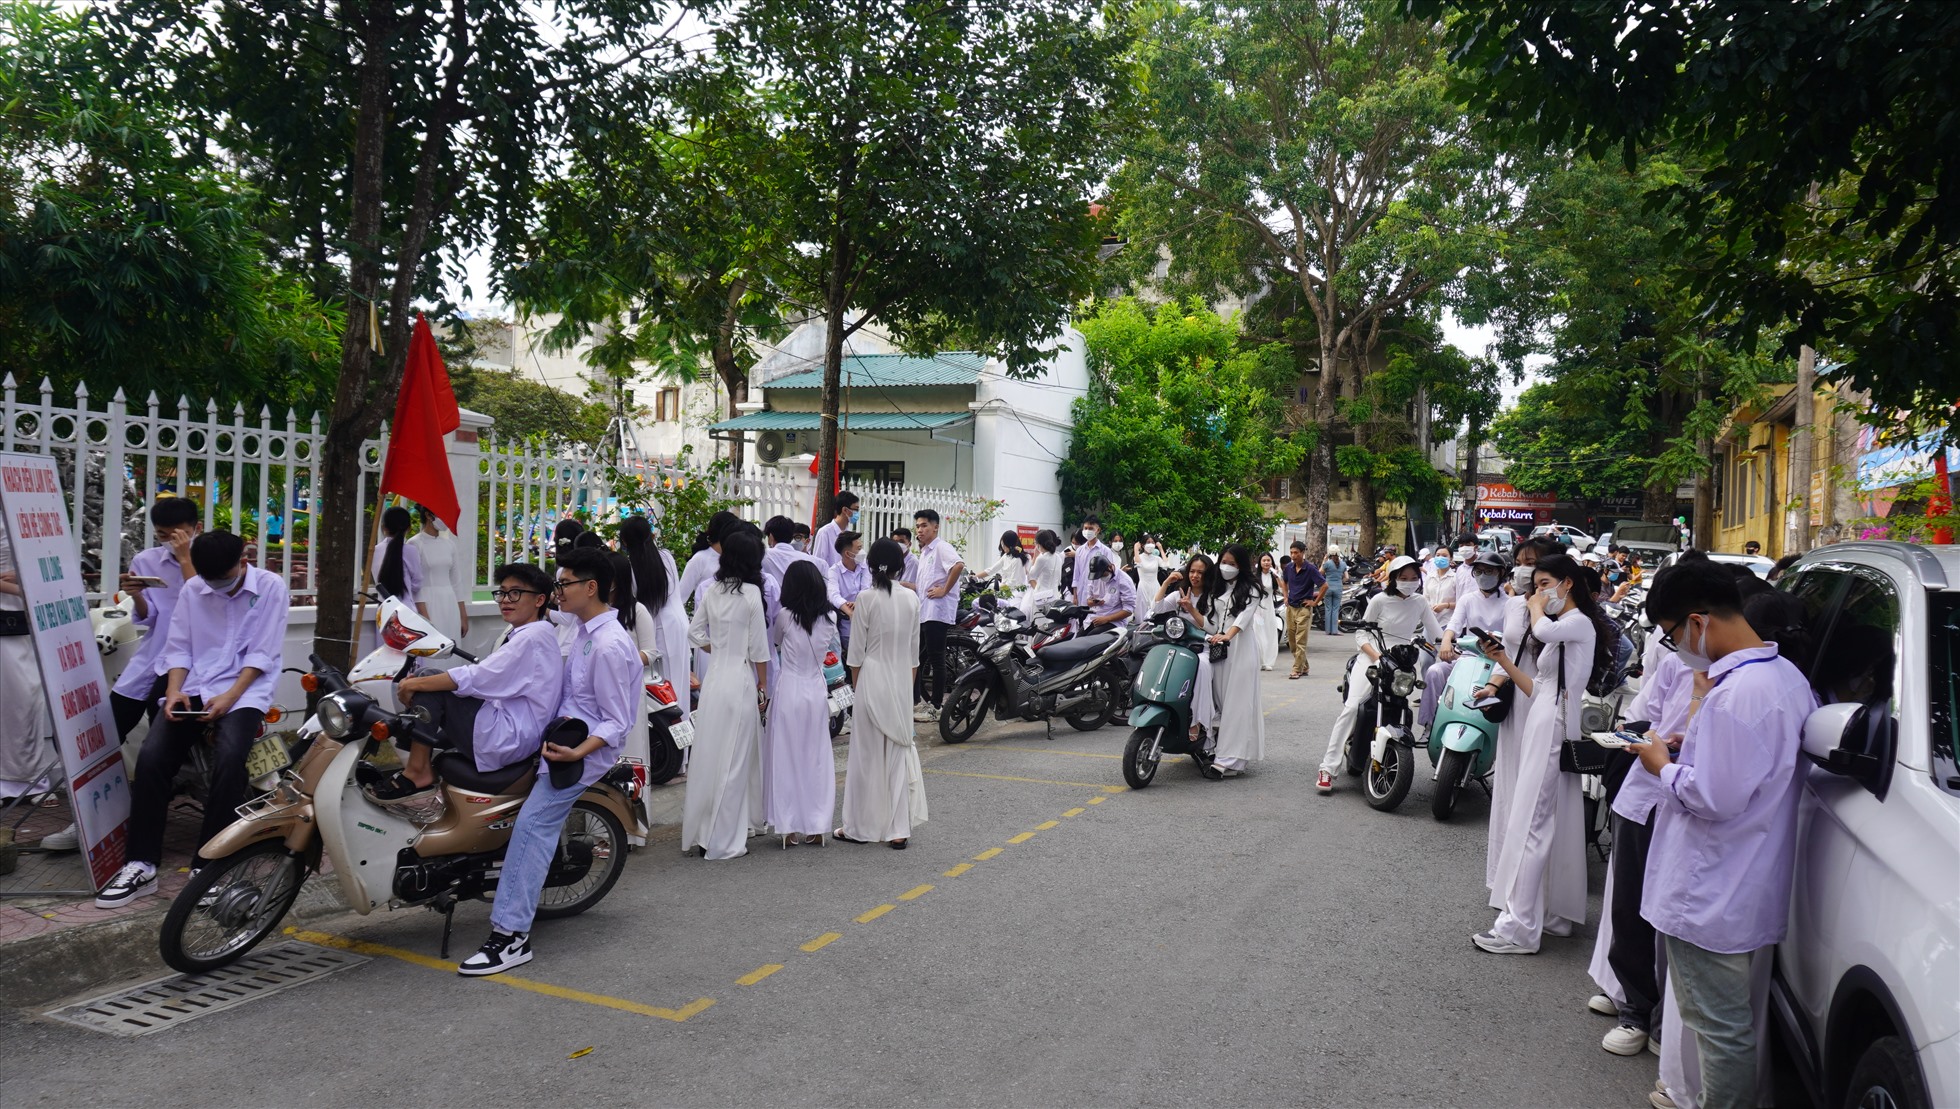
(418, 465)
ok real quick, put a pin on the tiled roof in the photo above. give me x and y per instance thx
(852, 421)
(953, 367)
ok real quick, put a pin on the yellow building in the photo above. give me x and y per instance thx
(1759, 497)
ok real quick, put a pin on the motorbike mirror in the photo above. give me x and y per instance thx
(420, 713)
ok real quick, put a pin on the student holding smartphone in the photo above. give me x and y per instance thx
(222, 660)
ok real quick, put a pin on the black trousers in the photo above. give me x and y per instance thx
(163, 754)
(932, 660)
(1633, 952)
(454, 715)
(129, 711)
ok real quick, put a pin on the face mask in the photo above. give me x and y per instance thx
(1614, 576)
(224, 586)
(1151, 547)
(1441, 563)
(801, 545)
(1406, 587)
(1089, 535)
(1521, 578)
(854, 520)
(1693, 657)
(1228, 572)
(1486, 582)
(1554, 604)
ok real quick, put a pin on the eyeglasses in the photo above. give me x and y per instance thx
(559, 585)
(1667, 637)
(515, 594)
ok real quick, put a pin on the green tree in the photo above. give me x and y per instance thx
(529, 411)
(121, 266)
(1177, 432)
(1308, 147)
(1572, 437)
(1425, 392)
(396, 135)
(1829, 133)
(936, 165)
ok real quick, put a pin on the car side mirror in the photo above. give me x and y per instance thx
(1854, 740)
(1827, 729)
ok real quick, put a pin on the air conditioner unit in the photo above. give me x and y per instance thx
(769, 446)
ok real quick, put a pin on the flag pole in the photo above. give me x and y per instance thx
(367, 582)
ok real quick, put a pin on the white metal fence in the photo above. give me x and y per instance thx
(260, 479)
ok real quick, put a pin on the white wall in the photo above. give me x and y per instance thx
(1021, 435)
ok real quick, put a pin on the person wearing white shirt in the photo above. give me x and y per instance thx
(844, 581)
(1010, 570)
(1484, 606)
(1085, 553)
(1439, 585)
(1044, 574)
(445, 584)
(1232, 611)
(936, 578)
(780, 531)
(1149, 562)
(843, 518)
(1401, 612)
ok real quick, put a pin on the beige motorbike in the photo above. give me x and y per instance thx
(431, 850)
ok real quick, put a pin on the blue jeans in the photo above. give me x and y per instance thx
(1712, 990)
(528, 859)
(1330, 608)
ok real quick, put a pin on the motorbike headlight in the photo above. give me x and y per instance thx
(1174, 628)
(1004, 624)
(1403, 683)
(335, 720)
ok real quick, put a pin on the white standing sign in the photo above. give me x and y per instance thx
(49, 562)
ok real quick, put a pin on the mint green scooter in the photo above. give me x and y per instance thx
(1463, 739)
(1160, 703)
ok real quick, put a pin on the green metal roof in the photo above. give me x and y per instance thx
(953, 367)
(852, 421)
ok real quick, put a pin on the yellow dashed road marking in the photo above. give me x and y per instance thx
(1075, 812)
(823, 941)
(1035, 781)
(987, 854)
(362, 947)
(875, 913)
(758, 974)
(1022, 838)
(915, 893)
(1097, 800)
(959, 870)
(1048, 825)
(1043, 751)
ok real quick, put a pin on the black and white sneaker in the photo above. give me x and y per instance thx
(499, 953)
(134, 880)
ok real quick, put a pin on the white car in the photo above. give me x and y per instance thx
(1866, 992)
(1757, 564)
(1579, 541)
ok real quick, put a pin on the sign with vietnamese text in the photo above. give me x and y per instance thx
(48, 561)
(1499, 503)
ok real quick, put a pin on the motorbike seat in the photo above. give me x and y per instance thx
(1080, 649)
(460, 770)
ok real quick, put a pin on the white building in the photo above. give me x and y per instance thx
(953, 420)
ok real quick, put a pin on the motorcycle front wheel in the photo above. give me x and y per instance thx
(229, 906)
(965, 708)
(1452, 775)
(1387, 784)
(591, 856)
(1139, 769)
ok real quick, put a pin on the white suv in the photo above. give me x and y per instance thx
(1867, 985)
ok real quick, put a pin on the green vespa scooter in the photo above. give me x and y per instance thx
(1463, 739)
(1160, 702)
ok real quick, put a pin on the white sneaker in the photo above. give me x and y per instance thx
(1660, 1100)
(1625, 1040)
(65, 840)
(1496, 945)
(134, 880)
(921, 714)
(1654, 1046)
(499, 953)
(1603, 1005)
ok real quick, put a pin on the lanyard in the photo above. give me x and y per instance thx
(1738, 666)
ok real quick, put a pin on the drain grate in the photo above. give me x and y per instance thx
(168, 1002)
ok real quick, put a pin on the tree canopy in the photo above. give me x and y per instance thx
(1177, 433)
(1828, 135)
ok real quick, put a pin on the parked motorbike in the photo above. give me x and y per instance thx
(1160, 702)
(1382, 746)
(1063, 673)
(668, 736)
(837, 681)
(431, 849)
(1462, 740)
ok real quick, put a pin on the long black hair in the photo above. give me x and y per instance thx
(1047, 540)
(1213, 584)
(1010, 542)
(887, 562)
(650, 582)
(565, 536)
(741, 560)
(805, 597)
(394, 524)
(1244, 587)
(1580, 596)
(623, 600)
(719, 526)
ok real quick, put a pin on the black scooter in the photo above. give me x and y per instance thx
(1079, 677)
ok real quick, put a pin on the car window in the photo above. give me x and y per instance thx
(1858, 658)
(1944, 661)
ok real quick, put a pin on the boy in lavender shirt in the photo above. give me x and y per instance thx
(222, 661)
(1724, 830)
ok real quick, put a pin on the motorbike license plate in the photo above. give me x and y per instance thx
(842, 698)
(267, 756)
(682, 733)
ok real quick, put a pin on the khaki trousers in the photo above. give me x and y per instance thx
(1299, 621)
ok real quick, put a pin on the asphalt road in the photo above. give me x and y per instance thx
(1050, 938)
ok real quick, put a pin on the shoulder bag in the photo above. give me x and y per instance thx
(1575, 756)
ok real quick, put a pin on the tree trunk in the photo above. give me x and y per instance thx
(1364, 494)
(1803, 453)
(1320, 462)
(1702, 525)
(833, 375)
(1657, 502)
(737, 384)
(336, 504)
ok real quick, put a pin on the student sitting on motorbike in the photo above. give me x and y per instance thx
(1485, 608)
(493, 711)
(1111, 597)
(1188, 592)
(1400, 612)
